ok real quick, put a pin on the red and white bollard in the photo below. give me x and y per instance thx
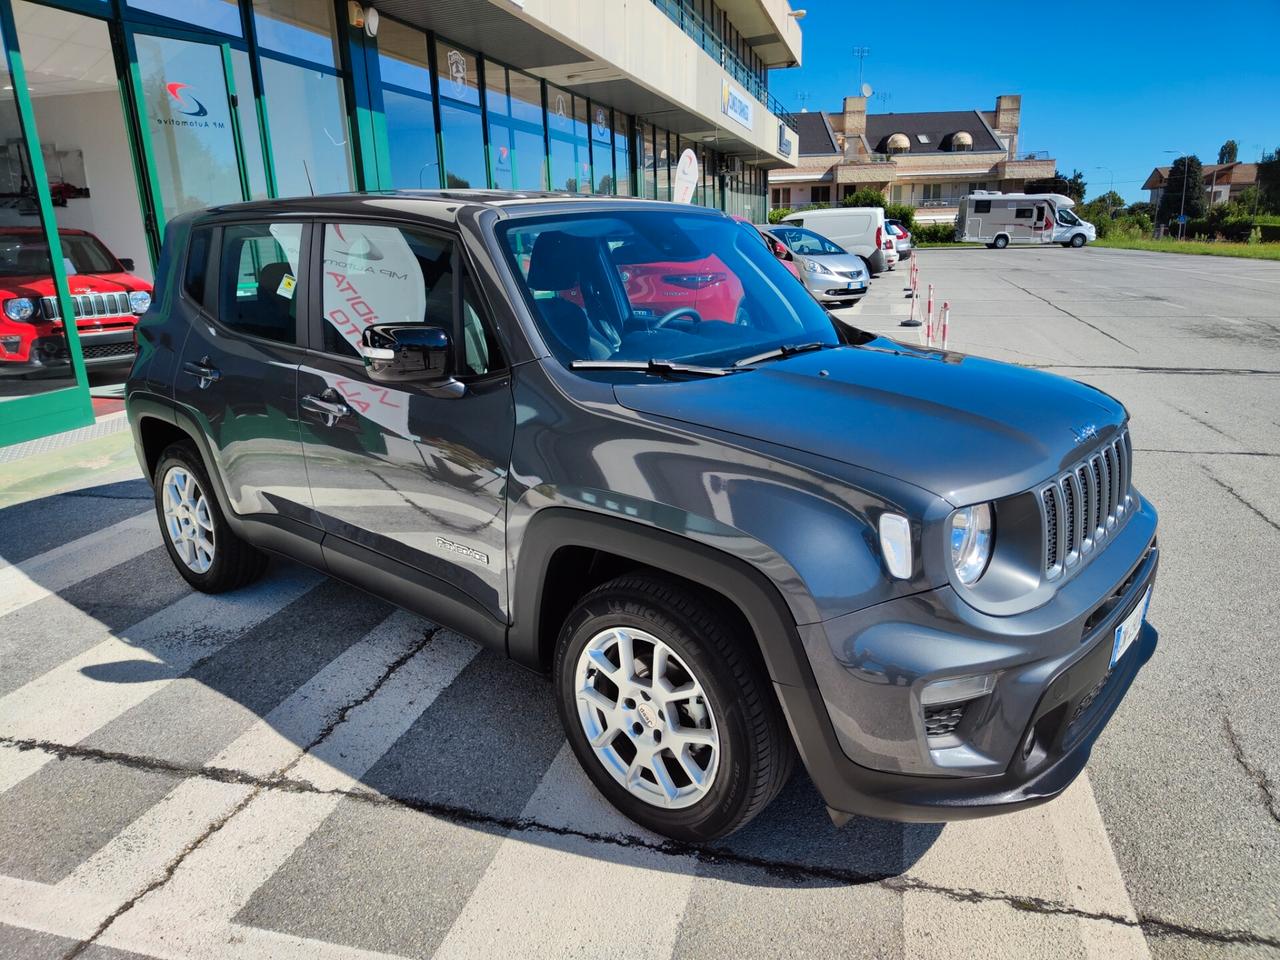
(946, 322)
(928, 318)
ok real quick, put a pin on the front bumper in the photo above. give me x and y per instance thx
(833, 290)
(861, 730)
(49, 355)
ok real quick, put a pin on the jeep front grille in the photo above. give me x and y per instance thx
(1083, 507)
(88, 306)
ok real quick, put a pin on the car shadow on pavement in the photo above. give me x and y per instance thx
(486, 754)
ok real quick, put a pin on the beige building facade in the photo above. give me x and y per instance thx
(926, 160)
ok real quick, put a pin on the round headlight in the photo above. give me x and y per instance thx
(972, 536)
(139, 301)
(19, 308)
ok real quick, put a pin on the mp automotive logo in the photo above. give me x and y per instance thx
(183, 102)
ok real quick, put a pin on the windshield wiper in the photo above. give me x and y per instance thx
(657, 368)
(786, 350)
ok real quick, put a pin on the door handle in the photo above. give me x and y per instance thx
(202, 370)
(326, 405)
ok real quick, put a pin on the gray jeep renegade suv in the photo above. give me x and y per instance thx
(614, 440)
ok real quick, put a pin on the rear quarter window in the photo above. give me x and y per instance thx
(195, 276)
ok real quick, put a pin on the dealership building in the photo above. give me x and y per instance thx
(118, 115)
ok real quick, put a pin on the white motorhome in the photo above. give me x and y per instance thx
(999, 219)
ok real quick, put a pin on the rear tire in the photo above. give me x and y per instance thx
(1000, 242)
(197, 536)
(692, 768)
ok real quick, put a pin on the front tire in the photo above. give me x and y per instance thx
(668, 710)
(1078, 241)
(201, 544)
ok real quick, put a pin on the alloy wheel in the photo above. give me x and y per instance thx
(647, 718)
(187, 518)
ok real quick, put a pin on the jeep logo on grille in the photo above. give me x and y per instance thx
(1084, 433)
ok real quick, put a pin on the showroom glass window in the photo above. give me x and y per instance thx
(648, 162)
(513, 101)
(663, 162)
(406, 106)
(622, 154)
(528, 126)
(570, 149)
(310, 144)
(602, 147)
(26, 277)
(220, 15)
(461, 127)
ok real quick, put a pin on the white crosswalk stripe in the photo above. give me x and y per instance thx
(31, 580)
(188, 865)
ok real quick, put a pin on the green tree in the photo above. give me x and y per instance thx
(1269, 181)
(1189, 172)
(1110, 201)
(1075, 186)
(1228, 152)
(1143, 208)
(866, 197)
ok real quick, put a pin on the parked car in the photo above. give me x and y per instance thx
(925, 574)
(890, 246)
(859, 230)
(107, 298)
(776, 247)
(833, 275)
(901, 238)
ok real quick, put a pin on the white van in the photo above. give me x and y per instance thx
(860, 230)
(999, 219)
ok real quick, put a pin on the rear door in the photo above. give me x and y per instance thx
(238, 369)
(414, 474)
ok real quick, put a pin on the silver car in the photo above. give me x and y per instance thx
(834, 276)
(901, 238)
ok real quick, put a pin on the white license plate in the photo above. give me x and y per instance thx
(1128, 631)
(853, 286)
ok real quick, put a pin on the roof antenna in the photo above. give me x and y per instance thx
(310, 185)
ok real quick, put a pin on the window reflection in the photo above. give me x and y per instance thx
(463, 141)
(309, 143)
(457, 73)
(299, 28)
(406, 104)
(220, 15)
(570, 154)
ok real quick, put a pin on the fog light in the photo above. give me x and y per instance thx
(10, 344)
(957, 689)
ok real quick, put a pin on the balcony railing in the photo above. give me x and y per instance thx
(688, 19)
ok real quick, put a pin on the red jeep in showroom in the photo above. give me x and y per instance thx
(108, 300)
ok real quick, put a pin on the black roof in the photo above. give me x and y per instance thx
(937, 126)
(442, 204)
(814, 133)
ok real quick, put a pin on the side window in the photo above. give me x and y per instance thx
(259, 290)
(1022, 213)
(381, 273)
(982, 206)
(478, 351)
(197, 269)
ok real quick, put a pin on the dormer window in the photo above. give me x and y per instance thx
(898, 143)
(961, 141)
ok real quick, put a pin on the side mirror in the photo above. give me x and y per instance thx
(127, 263)
(408, 353)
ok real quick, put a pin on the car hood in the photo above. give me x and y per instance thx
(964, 428)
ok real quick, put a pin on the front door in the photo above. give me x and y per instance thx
(416, 475)
(238, 371)
(192, 121)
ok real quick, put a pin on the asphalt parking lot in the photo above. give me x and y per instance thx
(298, 770)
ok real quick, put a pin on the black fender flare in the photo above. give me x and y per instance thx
(759, 600)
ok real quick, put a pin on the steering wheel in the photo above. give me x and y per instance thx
(676, 314)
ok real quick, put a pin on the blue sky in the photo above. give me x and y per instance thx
(1102, 84)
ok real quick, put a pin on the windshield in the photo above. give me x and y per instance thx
(1065, 216)
(805, 241)
(646, 284)
(27, 255)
